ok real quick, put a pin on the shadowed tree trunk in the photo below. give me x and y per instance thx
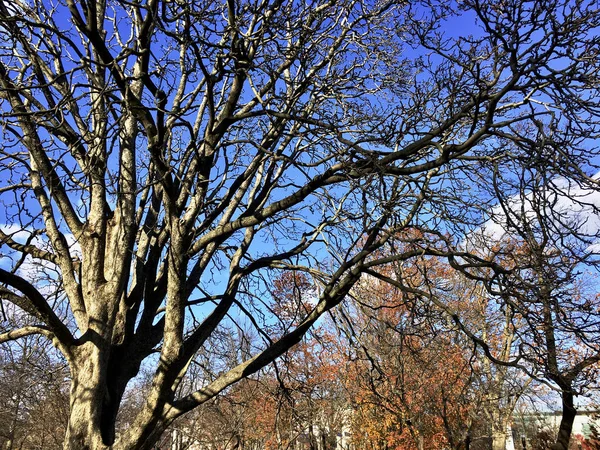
(566, 422)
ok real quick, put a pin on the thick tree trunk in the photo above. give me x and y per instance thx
(84, 427)
(94, 400)
(566, 423)
(90, 429)
(499, 440)
(499, 432)
(87, 428)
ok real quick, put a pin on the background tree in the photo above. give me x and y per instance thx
(297, 403)
(160, 158)
(499, 387)
(412, 382)
(552, 287)
(592, 441)
(34, 403)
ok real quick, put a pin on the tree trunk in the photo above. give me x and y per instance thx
(84, 430)
(95, 396)
(566, 423)
(498, 440)
(499, 428)
(468, 441)
(13, 425)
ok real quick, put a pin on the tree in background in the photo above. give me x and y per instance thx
(418, 371)
(499, 387)
(411, 382)
(299, 402)
(34, 401)
(161, 158)
(552, 285)
(240, 418)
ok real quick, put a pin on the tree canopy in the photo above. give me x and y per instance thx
(163, 161)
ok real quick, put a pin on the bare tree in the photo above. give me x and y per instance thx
(34, 401)
(160, 158)
(552, 288)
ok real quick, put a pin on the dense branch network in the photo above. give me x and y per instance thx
(164, 159)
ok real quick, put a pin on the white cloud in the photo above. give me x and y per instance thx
(568, 208)
(37, 272)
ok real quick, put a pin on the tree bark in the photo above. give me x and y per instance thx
(96, 394)
(498, 440)
(499, 432)
(84, 429)
(566, 423)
